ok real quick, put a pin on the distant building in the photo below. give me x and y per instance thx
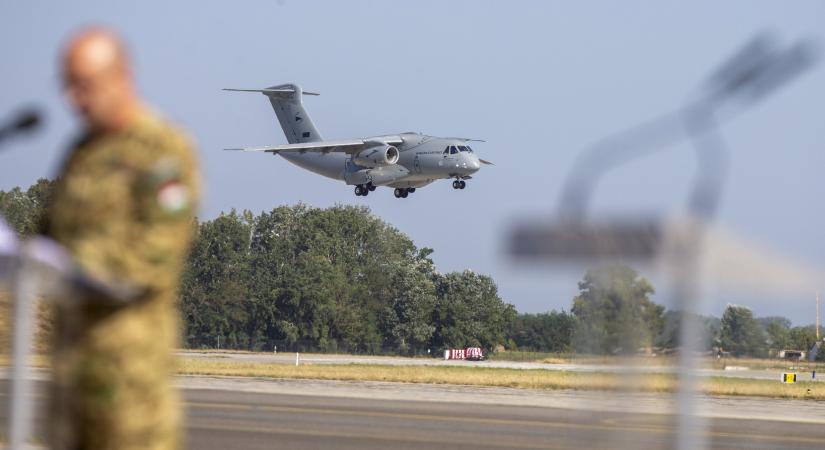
(795, 355)
(814, 351)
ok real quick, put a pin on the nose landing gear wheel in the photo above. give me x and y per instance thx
(462, 184)
(456, 185)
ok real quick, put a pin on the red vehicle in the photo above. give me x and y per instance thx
(469, 353)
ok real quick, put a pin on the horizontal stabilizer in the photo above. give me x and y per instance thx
(271, 91)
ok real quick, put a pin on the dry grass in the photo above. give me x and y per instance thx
(484, 376)
(762, 364)
(808, 390)
(480, 376)
(475, 376)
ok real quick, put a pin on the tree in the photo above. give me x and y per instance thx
(215, 284)
(406, 318)
(614, 313)
(739, 333)
(801, 338)
(469, 312)
(776, 331)
(24, 211)
(546, 332)
(671, 333)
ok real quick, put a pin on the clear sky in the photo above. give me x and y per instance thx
(538, 81)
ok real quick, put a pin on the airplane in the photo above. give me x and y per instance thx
(405, 162)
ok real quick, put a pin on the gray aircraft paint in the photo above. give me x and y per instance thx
(422, 158)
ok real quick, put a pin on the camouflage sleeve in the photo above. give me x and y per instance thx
(166, 191)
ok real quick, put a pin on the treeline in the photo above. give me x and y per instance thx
(334, 279)
(341, 279)
(613, 314)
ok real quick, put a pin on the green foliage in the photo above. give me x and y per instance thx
(24, 211)
(335, 279)
(670, 337)
(469, 312)
(614, 312)
(776, 330)
(546, 332)
(740, 333)
(801, 338)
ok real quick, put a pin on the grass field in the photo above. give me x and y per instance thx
(485, 376)
(480, 376)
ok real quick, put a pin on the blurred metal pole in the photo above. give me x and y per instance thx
(712, 157)
(20, 404)
(758, 69)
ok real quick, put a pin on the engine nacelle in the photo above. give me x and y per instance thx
(379, 155)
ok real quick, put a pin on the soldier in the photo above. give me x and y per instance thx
(123, 209)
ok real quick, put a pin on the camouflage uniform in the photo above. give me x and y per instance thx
(123, 208)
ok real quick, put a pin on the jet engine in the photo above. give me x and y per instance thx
(379, 155)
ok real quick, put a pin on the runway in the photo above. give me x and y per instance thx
(245, 413)
(225, 419)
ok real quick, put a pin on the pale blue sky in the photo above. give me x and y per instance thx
(537, 80)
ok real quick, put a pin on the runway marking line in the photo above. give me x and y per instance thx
(491, 421)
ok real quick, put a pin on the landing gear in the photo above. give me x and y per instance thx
(459, 184)
(403, 193)
(370, 186)
(362, 190)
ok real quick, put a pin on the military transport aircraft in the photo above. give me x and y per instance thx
(405, 161)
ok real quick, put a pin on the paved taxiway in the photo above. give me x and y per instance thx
(309, 414)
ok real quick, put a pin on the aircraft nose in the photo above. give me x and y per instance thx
(473, 164)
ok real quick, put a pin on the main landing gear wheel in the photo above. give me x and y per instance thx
(402, 193)
(370, 186)
(361, 190)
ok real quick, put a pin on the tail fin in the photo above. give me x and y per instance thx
(286, 101)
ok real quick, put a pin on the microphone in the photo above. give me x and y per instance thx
(25, 121)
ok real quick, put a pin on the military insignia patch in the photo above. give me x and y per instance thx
(173, 196)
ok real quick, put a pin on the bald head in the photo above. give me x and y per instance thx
(98, 80)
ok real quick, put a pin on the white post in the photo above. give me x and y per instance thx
(296, 358)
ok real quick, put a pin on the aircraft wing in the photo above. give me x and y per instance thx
(343, 146)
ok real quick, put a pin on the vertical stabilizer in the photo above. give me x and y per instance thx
(286, 101)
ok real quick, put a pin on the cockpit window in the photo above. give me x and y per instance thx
(447, 150)
(464, 148)
(453, 150)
